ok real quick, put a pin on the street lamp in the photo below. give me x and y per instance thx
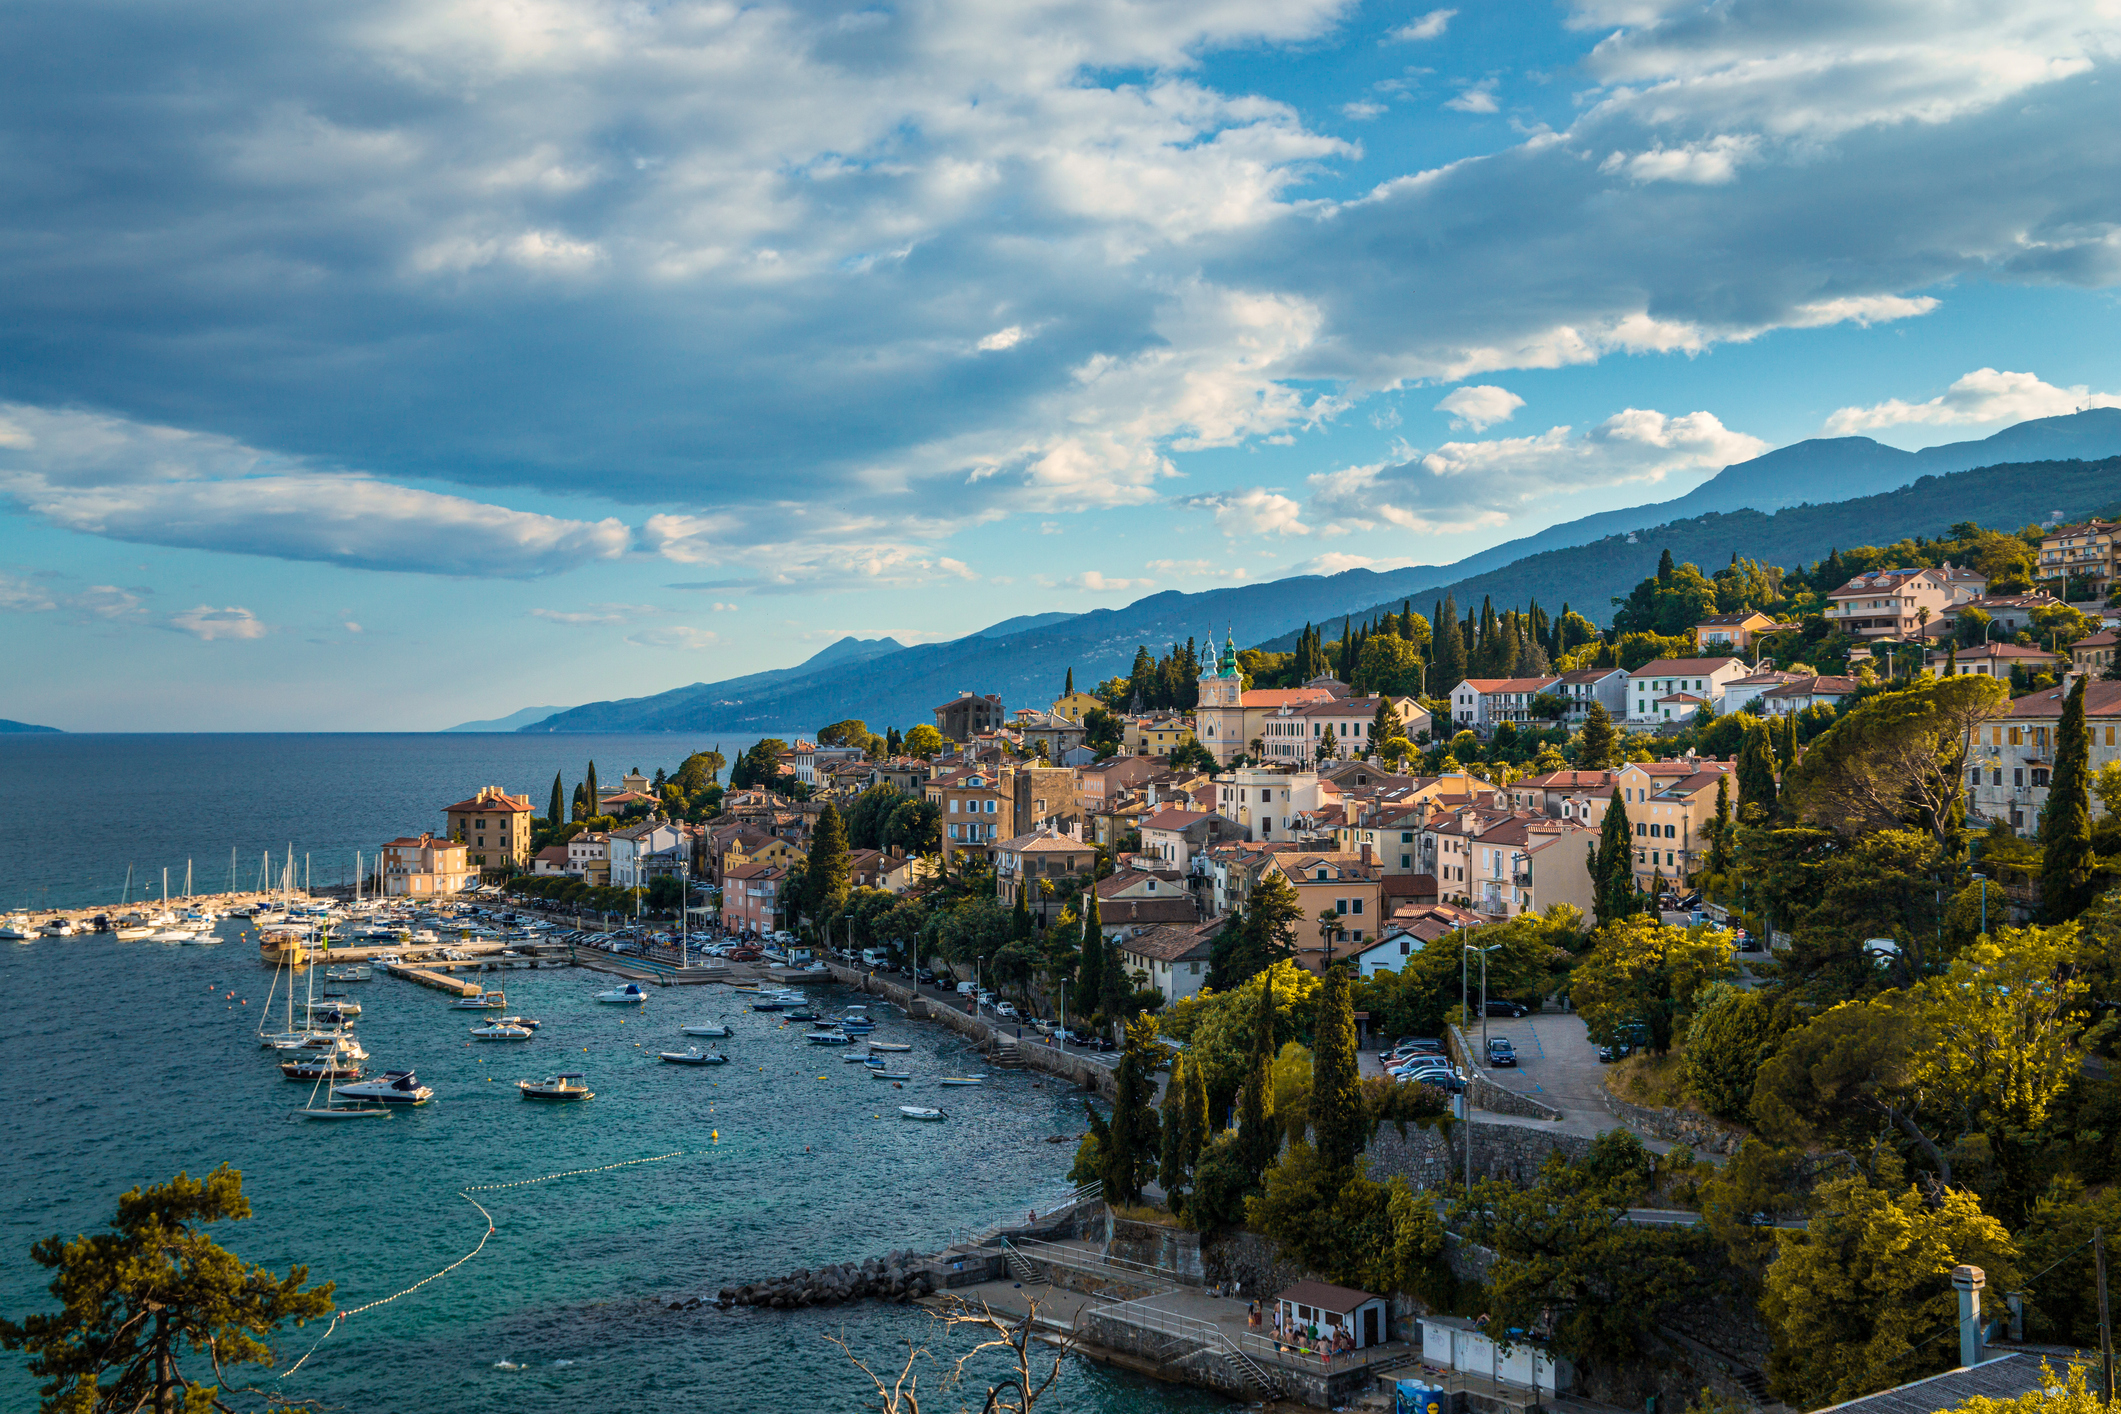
(1463, 949)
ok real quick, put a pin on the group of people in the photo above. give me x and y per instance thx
(1337, 1340)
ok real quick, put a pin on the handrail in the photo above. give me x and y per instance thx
(1076, 1257)
(1205, 1334)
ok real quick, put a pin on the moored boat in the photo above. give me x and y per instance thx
(392, 1087)
(921, 1112)
(501, 1031)
(631, 994)
(882, 1074)
(980, 1079)
(890, 1046)
(693, 1055)
(569, 1085)
(827, 1038)
(705, 1028)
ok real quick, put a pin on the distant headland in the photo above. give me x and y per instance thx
(7, 726)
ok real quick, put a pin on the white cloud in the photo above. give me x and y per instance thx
(1428, 26)
(1480, 407)
(1001, 339)
(1335, 561)
(1095, 583)
(1200, 569)
(1462, 484)
(1363, 111)
(27, 594)
(674, 636)
(1985, 395)
(1256, 510)
(21, 595)
(351, 627)
(1703, 163)
(208, 623)
(1475, 98)
(594, 615)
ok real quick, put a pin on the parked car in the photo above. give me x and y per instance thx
(1500, 1008)
(1501, 1052)
(925, 977)
(1616, 1051)
(967, 989)
(1005, 1009)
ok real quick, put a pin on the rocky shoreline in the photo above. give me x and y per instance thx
(896, 1276)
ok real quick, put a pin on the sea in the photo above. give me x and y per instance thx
(123, 1063)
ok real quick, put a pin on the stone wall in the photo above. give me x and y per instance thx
(1697, 1131)
(1170, 1249)
(1435, 1157)
(1252, 1261)
(1484, 1093)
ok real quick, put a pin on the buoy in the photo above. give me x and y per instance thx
(715, 1134)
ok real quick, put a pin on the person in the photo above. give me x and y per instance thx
(1252, 1314)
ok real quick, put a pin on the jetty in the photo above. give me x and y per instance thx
(435, 978)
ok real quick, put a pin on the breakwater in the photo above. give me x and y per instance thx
(896, 1276)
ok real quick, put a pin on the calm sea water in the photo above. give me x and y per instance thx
(122, 1063)
(76, 810)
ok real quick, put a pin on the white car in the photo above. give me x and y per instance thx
(967, 989)
(1005, 1009)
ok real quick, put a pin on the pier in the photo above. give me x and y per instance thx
(429, 977)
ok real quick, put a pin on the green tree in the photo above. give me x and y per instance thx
(556, 812)
(1328, 747)
(1196, 1129)
(1114, 990)
(1613, 865)
(1756, 772)
(1731, 1033)
(1128, 1143)
(1090, 961)
(1262, 934)
(1389, 666)
(1720, 831)
(760, 766)
(595, 798)
(2057, 1240)
(1386, 724)
(925, 742)
(1450, 650)
(1862, 1298)
(2066, 820)
(1171, 1170)
(1338, 1117)
(1598, 745)
(1644, 972)
(137, 1302)
(915, 826)
(1258, 1134)
(827, 877)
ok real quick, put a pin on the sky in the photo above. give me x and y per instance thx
(380, 366)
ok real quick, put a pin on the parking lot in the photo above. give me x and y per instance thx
(1556, 1063)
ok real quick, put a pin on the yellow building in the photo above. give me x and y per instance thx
(1156, 736)
(426, 867)
(494, 826)
(1076, 706)
(2084, 551)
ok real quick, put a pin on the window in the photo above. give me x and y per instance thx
(1407, 836)
(1406, 861)
(1641, 829)
(2039, 777)
(2018, 776)
(953, 811)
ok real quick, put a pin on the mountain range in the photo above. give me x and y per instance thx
(1788, 506)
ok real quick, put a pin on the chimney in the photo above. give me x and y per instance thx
(1968, 1281)
(1368, 856)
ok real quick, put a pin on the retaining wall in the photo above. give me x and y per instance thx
(1436, 1157)
(1172, 1250)
(1697, 1131)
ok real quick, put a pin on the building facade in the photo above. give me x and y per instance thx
(494, 827)
(425, 867)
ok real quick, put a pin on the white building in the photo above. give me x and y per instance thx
(1704, 679)
(1266, 803)
(1480, 703)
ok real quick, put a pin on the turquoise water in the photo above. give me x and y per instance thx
(122, 1063)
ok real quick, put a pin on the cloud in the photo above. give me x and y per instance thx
(1363, 111)
(1200, 569)
(1428, 26)
(1001, 339)
(1093, 582)
(159, 485)
(597, 614)
(1255, 510)
(674, 636)
(1480, 407)
(1462, 484)
(1704, 163)
(1985, 395)
(1475, 98)
(32, 594)
(1335, 561)
(351, 627)
(208, 623)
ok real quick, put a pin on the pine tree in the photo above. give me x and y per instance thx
(1613, 866)
(1346, 668)
(1720, 830)
(825, 878)
(1328, 746)
(1665, 568)
(1338, 1116)
(555, 813)
(1756, 772)
(1089, 961)
(1785, 740)
(1141, 680)
(1114, 987)
(1600, 742)
(1128, 1155)
(1258, 1140)
(1386, 724)
(2066, 821)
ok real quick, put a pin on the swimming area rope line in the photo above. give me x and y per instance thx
(465, 1194)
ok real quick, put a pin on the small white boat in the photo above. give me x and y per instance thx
(59, 928)
(892, 1074)
(703, 1028)
(921, 1112)
(484, 1001)
(530, 1021)
(693, 1055)
(15, 928)
(501, 1031)
(628, 995)
(132, 932)
(329, 1065)
(567, 1086)
(337, 1004)
(855, 1058)
(357, 972)
(964, 1080)
(392, 1087)
(890, 1046)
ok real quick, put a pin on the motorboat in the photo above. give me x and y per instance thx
(980, 1079)
(566, 1086)
(772, 1004)
(802, 1016)
(631, 994)
(828, 1038)
(921, 1112)
(322, 1015)
(693, 1055)
(305, 1042)
(332, 1109)
(484, 1001)
(59, 928)
(892, 1074)
(328, 1065)
(890, 1046)
(706, 1028)
(15, 928)
(356, 972)
(530, 1021)
(337, 1004)
(857, 1058)
(392, 1087)
(501, 1031)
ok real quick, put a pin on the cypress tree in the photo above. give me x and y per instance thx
(2066, 821)
(1786, 740)
(1171, 1171)
(1756, 772)
(1599, 743)
(1195, 1127)
(1130, 1153)
(581, 808)
(826, 877)
(1090, 961)
(595, 801)
(555, 813)
(1020, 920)
(1613, 866)
(1068, 685)
(1951, 656)
(1346, 668)
(1257, 1138)
(1720, 830)
(1114, 987)
(1664, 567)
(1337, 1112)
(894, 743)
(1449, 650)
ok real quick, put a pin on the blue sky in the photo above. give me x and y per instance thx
(404, 363)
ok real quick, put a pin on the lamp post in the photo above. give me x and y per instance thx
(1463, 949)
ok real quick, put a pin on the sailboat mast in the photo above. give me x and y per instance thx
(128, 890)
(187, 879)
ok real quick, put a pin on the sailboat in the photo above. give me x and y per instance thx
(333, 1109)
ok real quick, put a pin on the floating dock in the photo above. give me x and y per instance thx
(428, 977)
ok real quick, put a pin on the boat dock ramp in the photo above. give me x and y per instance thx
(433, 977)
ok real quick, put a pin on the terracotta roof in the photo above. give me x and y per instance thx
(1813, 687)
(756, 871)
(2101, 699)
(554, 853)
(2104, 638)
(1284, 696)
(2005, 650)
(1175, 819)
(1730, 620)
(1127, 912)
(1680, 697)
(492, 805)
(1486, 685)
(1046, 842)
(1171, 943)
(1588, 674)
(1571, 780)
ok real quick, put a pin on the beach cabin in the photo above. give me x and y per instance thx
(1312, 1312)
(1454, 1343)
